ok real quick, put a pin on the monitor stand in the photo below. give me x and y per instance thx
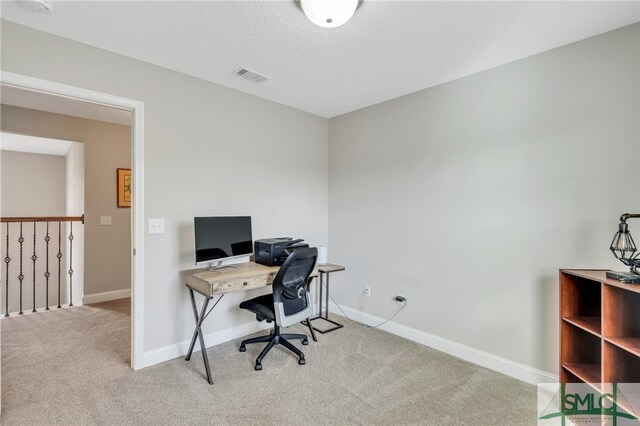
(220, 267)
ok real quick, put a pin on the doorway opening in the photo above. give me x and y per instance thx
(42, 192)
(85, 100)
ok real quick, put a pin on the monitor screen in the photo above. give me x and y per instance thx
(221, 237)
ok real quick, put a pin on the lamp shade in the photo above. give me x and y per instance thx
(622, 245)
(329, 13)
(322, 255)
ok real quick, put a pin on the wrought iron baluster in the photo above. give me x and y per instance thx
(59, 256)
(47, 274)
(47, 270)
(71, 264)
(21, 276)
(34, 258)
(7, 259)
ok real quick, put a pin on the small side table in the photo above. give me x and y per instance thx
(323, 272)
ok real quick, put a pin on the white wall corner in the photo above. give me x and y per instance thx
(505, 366)
(106, 296)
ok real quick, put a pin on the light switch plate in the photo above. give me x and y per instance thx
(156, 226)
(105, 220)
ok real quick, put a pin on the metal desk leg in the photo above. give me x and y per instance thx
(311, 330)
(197, 333)
(307, 322)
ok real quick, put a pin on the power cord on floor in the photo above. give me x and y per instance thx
(367, 325)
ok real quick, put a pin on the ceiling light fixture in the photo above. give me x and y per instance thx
(329, 13)
(42, 6)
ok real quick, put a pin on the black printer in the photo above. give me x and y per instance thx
(274, 251)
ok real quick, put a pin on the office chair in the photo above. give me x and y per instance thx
(287, 305)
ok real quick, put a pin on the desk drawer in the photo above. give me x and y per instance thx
(240, 284)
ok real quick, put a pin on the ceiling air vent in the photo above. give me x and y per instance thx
(253, 76)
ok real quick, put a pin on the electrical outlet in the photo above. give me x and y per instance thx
(367, 291)
(400, 295)
(105, 220)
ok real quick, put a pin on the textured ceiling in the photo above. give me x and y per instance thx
(61, 105)
(388, 49)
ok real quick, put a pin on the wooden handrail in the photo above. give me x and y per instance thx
(43, 219)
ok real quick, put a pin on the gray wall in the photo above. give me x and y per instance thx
(107, 146)
(32, 184)
(209, 150)
(469, 196)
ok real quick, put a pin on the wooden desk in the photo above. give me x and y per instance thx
(241, 277)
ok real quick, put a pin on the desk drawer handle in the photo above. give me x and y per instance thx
(245, 283)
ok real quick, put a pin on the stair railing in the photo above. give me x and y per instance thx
(21, 227)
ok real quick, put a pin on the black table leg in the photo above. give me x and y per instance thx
(307, 322)
(326, 305)
(197, 333)
(320, 281)
(324, 317)
(313, 333)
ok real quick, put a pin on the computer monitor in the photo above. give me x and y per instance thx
(222, 237)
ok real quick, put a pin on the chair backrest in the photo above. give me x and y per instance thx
(290, 292)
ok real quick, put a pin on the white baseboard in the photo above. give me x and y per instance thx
(176, 350)
(484, 359)
(505, 366)
(40, 310)
(106, 296)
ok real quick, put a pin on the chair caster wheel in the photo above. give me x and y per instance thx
(258, 367)
(243, 348)
(305, 342)
(301, 361)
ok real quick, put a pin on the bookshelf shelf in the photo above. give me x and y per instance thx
(599, 330)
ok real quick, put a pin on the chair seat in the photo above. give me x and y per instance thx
(262, 306)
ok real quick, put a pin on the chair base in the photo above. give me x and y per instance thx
(275, 338)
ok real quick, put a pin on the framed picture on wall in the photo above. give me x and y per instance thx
(124, 187)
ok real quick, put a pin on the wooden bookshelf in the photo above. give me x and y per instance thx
(630, 344)
(590, 324)
(599, 329)
(588, 373)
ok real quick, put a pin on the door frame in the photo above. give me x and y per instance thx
(137, 171)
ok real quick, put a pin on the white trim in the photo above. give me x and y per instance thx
(40, 310)
(88, 299)
(137, 217)
(176, 350)
(137, 237)
(33, 144)
(484, 359)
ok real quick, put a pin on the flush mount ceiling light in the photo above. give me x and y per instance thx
(42, 6)
(329, 13)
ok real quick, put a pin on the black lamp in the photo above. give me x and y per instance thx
(624, 249)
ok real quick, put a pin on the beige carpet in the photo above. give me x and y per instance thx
(71, 366)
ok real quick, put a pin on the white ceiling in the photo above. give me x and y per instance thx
(61, 105)
(388, 49)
